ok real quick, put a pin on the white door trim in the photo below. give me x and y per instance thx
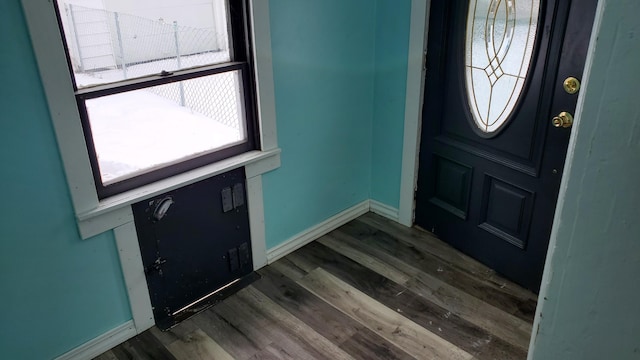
(413, 109)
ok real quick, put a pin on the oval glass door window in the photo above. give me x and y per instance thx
(499, 46)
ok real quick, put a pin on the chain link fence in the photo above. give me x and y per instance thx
(111, 46)
(216, 96)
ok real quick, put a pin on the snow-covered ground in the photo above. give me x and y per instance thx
(138, 131)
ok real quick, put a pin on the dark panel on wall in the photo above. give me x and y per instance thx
(194, 241)
(506, 211)
(452, 186)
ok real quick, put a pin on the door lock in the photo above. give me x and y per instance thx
(571, 85)
(563, 120)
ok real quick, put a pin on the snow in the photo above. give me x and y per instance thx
(138, 131)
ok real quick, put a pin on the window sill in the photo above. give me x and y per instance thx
(116, 210)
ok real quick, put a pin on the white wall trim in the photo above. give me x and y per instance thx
(93, 226)
(52, 62)
(413, 109)
(263, 60)
(301, 239)
(256, 222)
(134, 277)
(385, 210)
(102, 343)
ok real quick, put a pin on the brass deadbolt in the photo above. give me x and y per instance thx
(571, 85)
(563, 120)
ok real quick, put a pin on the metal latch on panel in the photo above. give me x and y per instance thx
(156, 266)
(162, 207)
(232, 198)
(227, 199)
(238, 195)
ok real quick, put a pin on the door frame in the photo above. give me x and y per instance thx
(413, 126)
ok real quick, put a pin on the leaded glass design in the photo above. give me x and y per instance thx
(499, 45)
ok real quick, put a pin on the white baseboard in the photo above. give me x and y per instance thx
(384, 210)
(315, 232)
(102, 343)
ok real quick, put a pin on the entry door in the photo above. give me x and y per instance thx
(496, 125)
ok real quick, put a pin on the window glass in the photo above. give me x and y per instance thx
(499, 46)
(162, 86)
(141, 130)
(113, 40)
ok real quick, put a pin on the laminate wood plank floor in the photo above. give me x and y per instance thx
(371, 289)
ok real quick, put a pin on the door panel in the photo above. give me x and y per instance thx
(493, 195)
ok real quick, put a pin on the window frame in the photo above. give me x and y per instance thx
(240, 60)
(95, 215)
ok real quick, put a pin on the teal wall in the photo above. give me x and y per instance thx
(60, 291)
(323, 59)
(56, 291)
(590, 307)
(391, 52)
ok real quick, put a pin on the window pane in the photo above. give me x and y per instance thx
(499, 48)
(142, 130)
(112, 40)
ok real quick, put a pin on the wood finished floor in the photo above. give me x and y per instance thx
(372, 289)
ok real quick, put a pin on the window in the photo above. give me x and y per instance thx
(499, 48)
(161, 88)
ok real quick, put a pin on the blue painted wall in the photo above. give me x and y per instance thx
(56, 291)
(323, 60)
(590, 296)
(391, 52)
(61, 291)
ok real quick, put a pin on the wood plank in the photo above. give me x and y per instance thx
(273, 352)
(407, 335)
(434, 318)
(142, 347)
(379, 266)
(505, 326)
(198, 346)
(366, 345)
(180, 331)
(282, 351)
(108, 355)
(427, 242)
(322, 317)
(290, 269)
(482, 289)
(262, 320)
(225, 334)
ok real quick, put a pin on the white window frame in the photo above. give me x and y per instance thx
(95, 216)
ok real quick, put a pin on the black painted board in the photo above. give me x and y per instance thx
(185, 240)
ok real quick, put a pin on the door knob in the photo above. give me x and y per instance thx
(563, 120)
